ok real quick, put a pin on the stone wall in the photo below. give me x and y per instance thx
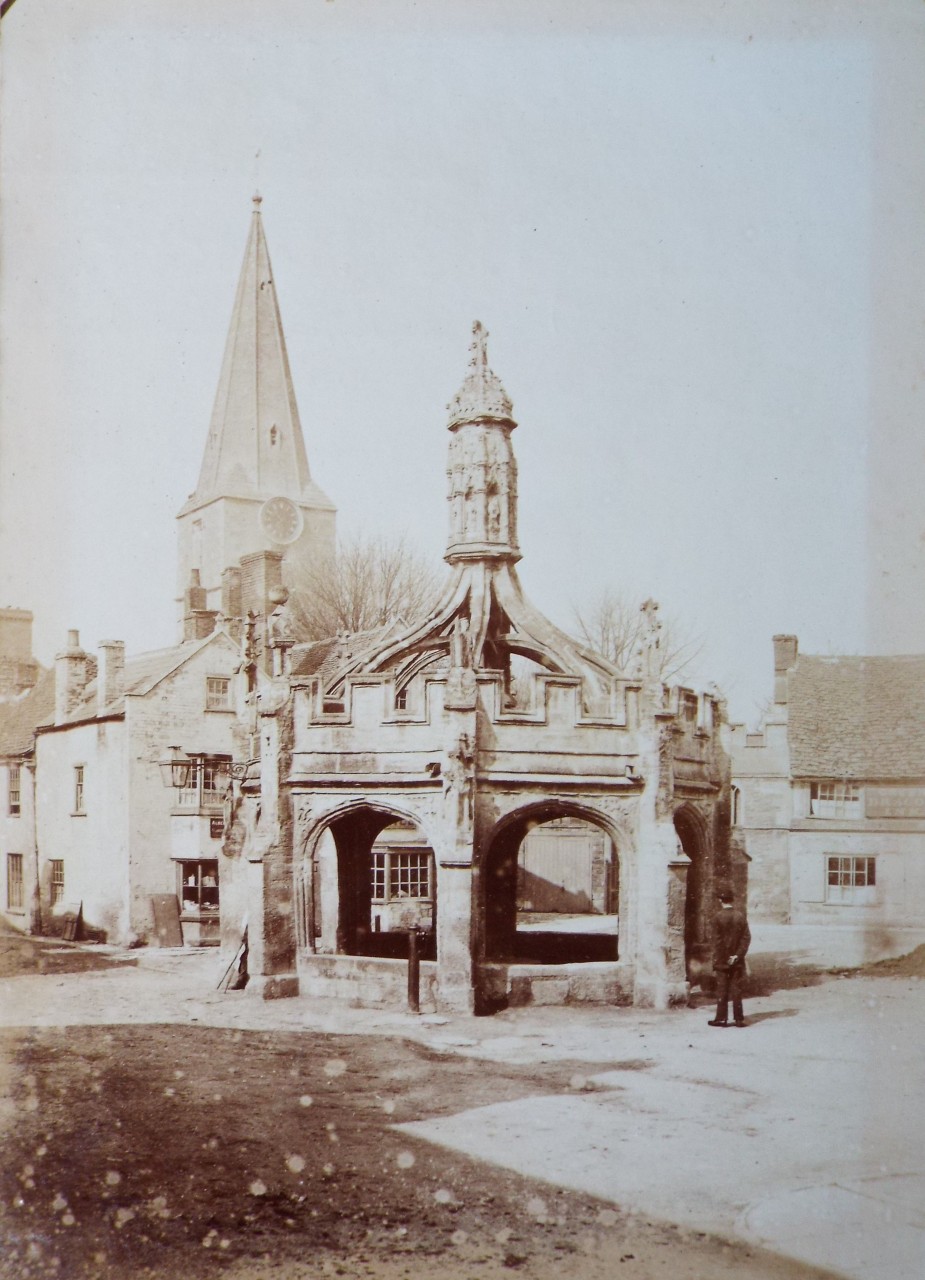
(94, 843)
(173, 713)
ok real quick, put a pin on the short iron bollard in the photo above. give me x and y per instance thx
(414, 970)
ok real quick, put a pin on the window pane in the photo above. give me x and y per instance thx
(379, 876)
(410, 874)
(14, 790)
(57, 880)
(850, 879)
(218, 690)
(14, 886)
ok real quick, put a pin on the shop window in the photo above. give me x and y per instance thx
(835, 800)
(850, 879)
(56, 891)
(197, 888)
(14, 791)
(15, 899)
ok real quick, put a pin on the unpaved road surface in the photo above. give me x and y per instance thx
(195, 1152)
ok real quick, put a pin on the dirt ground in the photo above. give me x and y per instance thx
(193, 1152)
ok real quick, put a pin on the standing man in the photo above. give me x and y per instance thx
(731, 937)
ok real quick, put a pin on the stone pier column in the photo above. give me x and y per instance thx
(661, 882)
(271, 933)
(459, 770)
(660, 979)
(455, 990)
(675, 958)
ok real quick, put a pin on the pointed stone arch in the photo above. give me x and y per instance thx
(694, 838)
(502, 873)
(337, 879)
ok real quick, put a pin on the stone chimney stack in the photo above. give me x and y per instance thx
(72, 671)
(231, 593)
(110, 679)
(198, 621)
(261, 573)
(18, 668)
(785, 657)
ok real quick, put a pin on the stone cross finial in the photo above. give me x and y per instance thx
(481, 395)
(478, 348)
(648, 643)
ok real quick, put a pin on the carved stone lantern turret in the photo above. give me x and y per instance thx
(483, 613)
(481, 468)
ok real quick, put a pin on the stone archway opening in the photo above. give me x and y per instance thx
(552, 890)
(376, 882)
(691, 836)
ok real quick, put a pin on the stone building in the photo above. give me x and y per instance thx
(26, 698)
(830, 793)
(109, 832)
(90, 823)
(427, 754)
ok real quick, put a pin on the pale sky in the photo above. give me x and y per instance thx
(693, 231)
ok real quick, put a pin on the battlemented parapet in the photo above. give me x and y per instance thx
(402, 776)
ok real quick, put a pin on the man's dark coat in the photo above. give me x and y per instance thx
(731, 937)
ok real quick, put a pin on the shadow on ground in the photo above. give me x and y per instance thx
(22, 954)
(769, 973)
(778, 971)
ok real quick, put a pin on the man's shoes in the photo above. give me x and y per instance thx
(715, 1022)
(740, 1022)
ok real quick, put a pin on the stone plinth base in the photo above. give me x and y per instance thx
(455, 998)
(368, 982)
(274, 986)
(653, 994)
(503, 985)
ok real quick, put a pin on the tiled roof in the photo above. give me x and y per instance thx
(330, 658)
(20, 716)
(860, 718)
(315, 658)
(140, 675)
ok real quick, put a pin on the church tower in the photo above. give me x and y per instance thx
(255, 499)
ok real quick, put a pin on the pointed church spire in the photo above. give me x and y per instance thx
(255, 446)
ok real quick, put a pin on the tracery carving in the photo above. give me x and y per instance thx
(481, 394)
(459, 785)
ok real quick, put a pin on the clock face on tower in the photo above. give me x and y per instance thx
(281, 520)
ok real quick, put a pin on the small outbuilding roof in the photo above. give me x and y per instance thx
(861, 718)
(20, 716)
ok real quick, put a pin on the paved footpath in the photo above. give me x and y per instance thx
(804, 1132)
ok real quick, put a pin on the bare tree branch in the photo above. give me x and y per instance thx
(367, 583)
(612, 625)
